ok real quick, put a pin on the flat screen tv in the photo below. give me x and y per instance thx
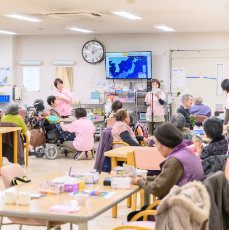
(128, 65)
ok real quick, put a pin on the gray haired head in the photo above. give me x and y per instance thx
(198, 100)
(185, 97)
(178, 120)
(12, 108)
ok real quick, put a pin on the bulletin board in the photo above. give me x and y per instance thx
(200, 73)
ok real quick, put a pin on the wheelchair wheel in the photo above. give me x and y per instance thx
(51, 151)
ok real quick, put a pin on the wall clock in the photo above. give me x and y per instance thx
(93, 52)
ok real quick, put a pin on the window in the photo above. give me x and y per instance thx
(31, 78)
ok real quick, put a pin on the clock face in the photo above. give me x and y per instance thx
(93, 52)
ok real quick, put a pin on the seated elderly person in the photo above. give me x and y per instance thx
(180, 166)
(213, 129)
(121, 130)
(199, 108)
(52, 102)
(186, 103)
(12, 116)
(178, 121)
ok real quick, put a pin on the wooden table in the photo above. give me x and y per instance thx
(39, 208)
(4, 130)
(120, 154)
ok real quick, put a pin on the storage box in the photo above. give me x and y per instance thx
(121, 182)
(71, 187)
(88, 177)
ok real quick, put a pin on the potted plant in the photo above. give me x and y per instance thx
(192, 121)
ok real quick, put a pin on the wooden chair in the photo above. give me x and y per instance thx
(8, 172)
(201, 118)
(141, 225)
(144, 158)
(129, 199)
(110, 122)
(140, 133)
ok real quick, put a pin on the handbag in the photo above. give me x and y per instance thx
(37, 138)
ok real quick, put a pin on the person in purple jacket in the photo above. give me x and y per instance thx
(199, 108)
(180, 166)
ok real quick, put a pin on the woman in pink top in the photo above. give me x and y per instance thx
(84, 130)
(158, 110)
(121, 130)
(225, 88)
(63, 99)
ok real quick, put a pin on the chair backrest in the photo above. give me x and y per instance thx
(140, 133)
(201, 118)
(110, 122)
(147, 158)
(10, 171)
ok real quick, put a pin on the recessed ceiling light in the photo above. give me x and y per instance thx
(7, 32)
(79, 30)
(23, 17)
(126, 15)
(164, 28)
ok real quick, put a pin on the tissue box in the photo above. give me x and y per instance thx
(89, 177)
(121, 182)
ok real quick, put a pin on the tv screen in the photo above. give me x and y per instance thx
(128, 65)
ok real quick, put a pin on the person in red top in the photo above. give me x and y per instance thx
(63, 99)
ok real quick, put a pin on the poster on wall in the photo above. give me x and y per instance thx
(5, 76)
(178, 79)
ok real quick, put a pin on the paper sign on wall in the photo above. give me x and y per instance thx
(178, 77)
(5, 76)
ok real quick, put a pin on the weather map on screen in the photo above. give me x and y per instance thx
(129, 65)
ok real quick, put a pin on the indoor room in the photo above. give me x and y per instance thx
(114, 114)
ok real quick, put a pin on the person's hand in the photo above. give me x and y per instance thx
(198, 144)
(61, 124)
(135, 180)
(145, 140)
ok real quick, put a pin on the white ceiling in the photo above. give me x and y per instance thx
(182, 15)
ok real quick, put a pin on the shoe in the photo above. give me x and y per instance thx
(89, 155)
(79, 156)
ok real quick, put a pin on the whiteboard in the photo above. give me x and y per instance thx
(31, 78)
(203, 74)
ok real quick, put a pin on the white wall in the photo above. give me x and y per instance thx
(48, 48)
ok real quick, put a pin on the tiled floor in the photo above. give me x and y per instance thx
(38, 167)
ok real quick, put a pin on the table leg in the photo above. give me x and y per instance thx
(15, 146)
(83, 226)
(114, 162)
(114, 211)
(0, 151)
(128, 203)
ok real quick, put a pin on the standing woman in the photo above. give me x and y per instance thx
(63, 99)
(158, 110)
(225, 88)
